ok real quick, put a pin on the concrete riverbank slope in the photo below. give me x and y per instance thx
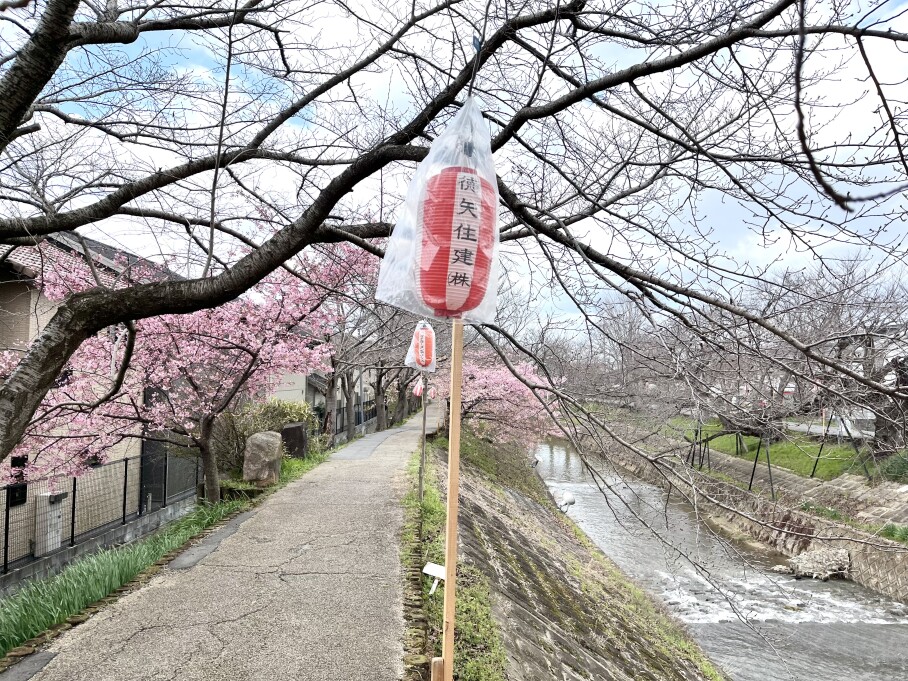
(563, 609)
(720, 495)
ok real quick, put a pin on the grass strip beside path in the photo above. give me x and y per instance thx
(45, 603)
(479, 654)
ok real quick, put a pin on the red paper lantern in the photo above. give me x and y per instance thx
(457, 214)
(418, 388)
(424, 346)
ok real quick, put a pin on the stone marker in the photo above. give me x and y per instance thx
(262, 458)
(296, 439)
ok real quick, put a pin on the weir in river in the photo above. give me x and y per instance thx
(757, 625)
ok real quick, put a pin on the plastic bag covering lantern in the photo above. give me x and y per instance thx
(442, 257)
(421, 353)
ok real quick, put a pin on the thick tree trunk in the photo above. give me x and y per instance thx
(381, 412)
(890, 428)
(328, 427)
(34, 66)
(400, 409)
(381, 409)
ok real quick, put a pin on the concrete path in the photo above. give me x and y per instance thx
(307, 587)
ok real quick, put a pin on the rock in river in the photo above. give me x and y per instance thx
(821, 563)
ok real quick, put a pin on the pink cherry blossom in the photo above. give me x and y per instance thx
(184, 369)
(496, 403)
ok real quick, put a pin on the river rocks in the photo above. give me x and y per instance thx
(262, 458)
(782, 569)
(821, 563)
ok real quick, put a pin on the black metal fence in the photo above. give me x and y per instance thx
(365, 412)
(44, 516)
(361, 413)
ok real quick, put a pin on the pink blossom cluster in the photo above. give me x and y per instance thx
(497, 403)
(183, 367)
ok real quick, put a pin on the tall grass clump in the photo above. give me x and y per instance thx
(48, 602)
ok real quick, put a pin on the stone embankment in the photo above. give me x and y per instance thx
(564, 610)
(780, 523)
(851, 495)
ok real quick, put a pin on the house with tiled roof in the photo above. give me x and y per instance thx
(24, 310)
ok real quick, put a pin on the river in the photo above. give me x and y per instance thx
(804, 630)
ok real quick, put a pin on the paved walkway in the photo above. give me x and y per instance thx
(306, 587)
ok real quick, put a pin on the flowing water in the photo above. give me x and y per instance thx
(805, 630)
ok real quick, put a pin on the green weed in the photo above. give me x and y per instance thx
(45, 603)
(895, 532)
(478, 652)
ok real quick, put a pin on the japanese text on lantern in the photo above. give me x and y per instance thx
(464, 238)
(458, 214)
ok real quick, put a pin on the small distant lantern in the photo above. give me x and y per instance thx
(418, 388)
(432, 393)
(421, 354)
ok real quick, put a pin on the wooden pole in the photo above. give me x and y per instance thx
(438, 669)
(422, 458)
(447, 647)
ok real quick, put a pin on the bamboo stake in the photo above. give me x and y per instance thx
(447, 648)
(422, 458)
(438, 669)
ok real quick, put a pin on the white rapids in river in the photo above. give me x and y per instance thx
(756, 624)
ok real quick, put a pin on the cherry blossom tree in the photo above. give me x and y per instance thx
(170, 376)
(496, 400)
(617, 127)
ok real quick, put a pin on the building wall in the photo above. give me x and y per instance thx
(40, 313)
(292, 388)
(24, 311)
(15, 315)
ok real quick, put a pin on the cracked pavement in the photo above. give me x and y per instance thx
(308, 587)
